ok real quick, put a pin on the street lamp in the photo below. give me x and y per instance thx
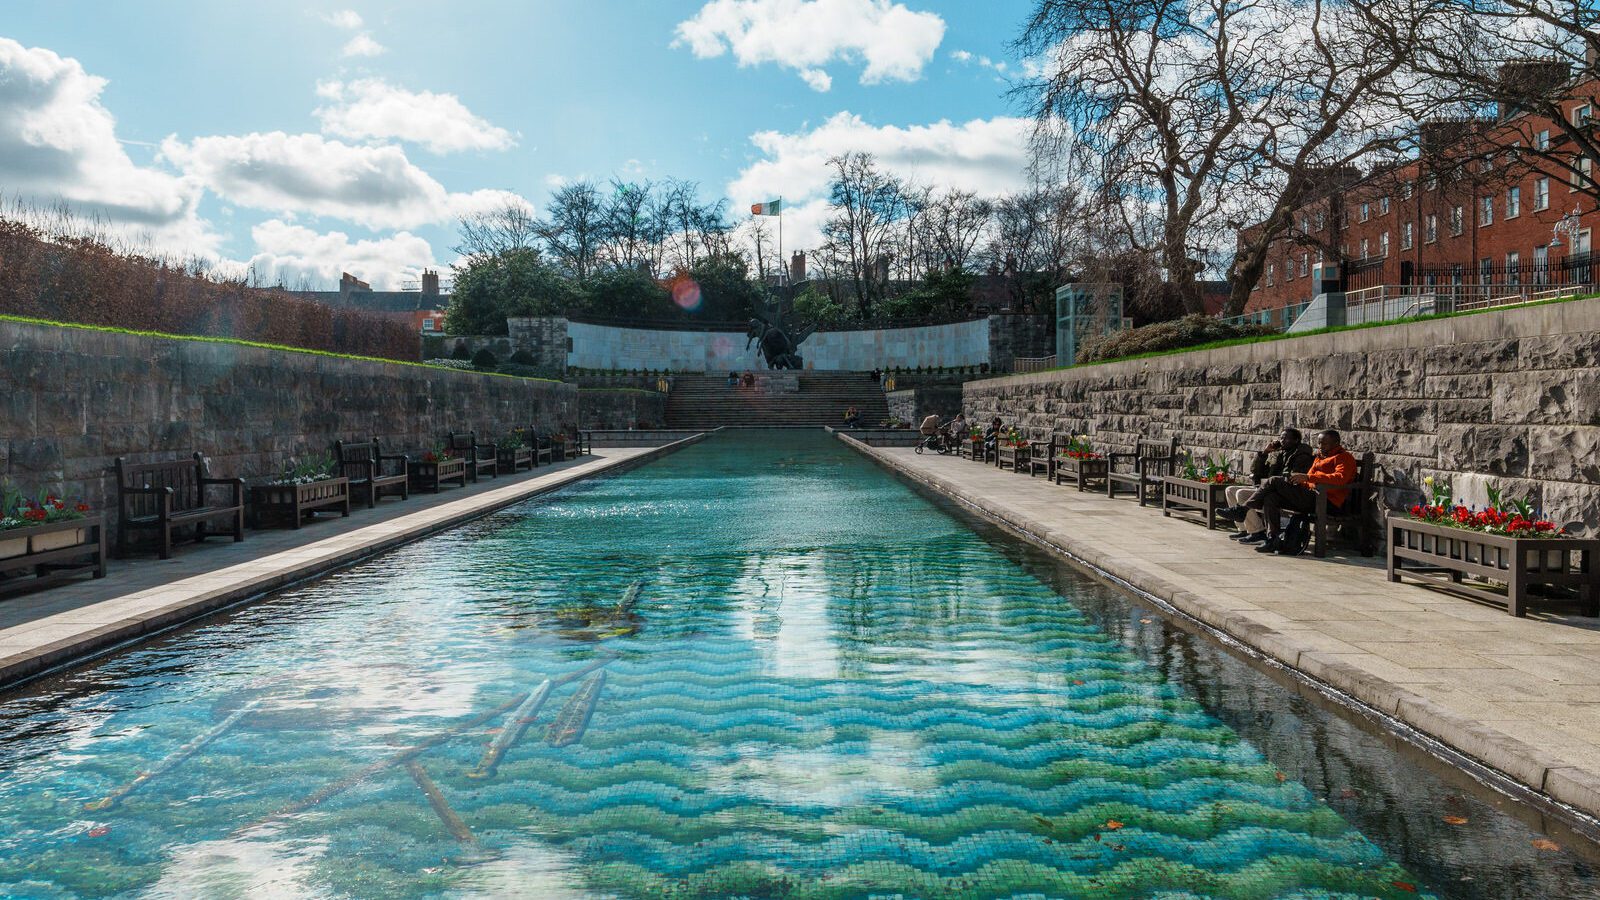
(1568, 224)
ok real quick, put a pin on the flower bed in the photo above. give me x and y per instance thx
(48, 538)
(1507, 542)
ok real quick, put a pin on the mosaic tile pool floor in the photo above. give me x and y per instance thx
(758, 668)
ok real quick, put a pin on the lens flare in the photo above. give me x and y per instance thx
(686, 293)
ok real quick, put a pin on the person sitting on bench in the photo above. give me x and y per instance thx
(1296, 493)
(1285, 456)
(991, 435)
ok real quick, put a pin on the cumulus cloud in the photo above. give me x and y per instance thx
(892, 41)
(291, 254)
(363, 45)
(373, 109)
(59, 143)
(347, 19)
(375, 186)
(987, 156)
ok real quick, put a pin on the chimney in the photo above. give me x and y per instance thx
(797, 267)
(1438, 135)
(1524, 81)
(430, 283)
(349, 284)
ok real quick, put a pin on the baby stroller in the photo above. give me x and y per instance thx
(939, 442)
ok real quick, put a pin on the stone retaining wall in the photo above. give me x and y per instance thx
(75, 399)
(1512, 396)
(622, 408)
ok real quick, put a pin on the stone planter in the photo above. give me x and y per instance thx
(1187, 495)
(1082, 472)
(1442, 556)
(431, 476)
(50, 552)
(290, 503)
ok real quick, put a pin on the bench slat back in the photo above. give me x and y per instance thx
(182, 476)
(357, 459)
(463, 440)
(1355, 506)
(1157, 458)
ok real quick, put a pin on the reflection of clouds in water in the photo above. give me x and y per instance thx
(241, 868)
(523, 871)
(779, 605)
(895, 764)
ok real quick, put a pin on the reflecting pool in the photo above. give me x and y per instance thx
(759, 667)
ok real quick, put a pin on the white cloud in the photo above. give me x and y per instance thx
(347, 19)
(961, 56)
(291, 254)
(373, 109)
(987, 156)
(59, 143)
(374, 186)
(893, 41)
(363, 45)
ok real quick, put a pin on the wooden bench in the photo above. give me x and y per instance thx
(1147, 468)
(1356, 511)
(479, 458)
(539, 444)
(363, 463)
(1043, 457)
(166, 496)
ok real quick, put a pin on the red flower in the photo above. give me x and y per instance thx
(83, 507)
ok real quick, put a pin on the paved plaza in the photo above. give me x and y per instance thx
(1520, 695)
(144, 594)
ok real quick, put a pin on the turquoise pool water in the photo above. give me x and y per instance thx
(757, 668)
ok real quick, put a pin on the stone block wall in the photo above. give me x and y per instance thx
(621, 408)
(75, 399)
(1512, 395)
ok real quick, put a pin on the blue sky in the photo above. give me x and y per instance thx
(309, 139)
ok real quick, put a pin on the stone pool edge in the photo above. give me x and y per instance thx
(1566, 787)
(255, 579)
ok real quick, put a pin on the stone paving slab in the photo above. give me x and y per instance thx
(50, 627)
(1521, 696)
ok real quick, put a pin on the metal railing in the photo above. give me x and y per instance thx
(1032, 363)
(1387, 302)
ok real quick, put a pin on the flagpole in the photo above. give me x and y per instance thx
(783, 264)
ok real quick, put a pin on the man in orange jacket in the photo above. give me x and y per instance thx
(1296, 493)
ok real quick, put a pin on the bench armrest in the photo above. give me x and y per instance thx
(1113, 457)
(393, 457)
(236, 483)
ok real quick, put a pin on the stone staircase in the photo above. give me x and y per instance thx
(702, 402)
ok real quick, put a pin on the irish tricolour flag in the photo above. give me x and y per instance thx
(769, 208)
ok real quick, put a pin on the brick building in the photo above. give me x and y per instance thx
(1473, 217)
(423, 308)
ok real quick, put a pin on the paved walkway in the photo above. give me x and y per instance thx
(1520, 695)
(49, 627)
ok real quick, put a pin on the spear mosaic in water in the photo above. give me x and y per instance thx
(858, 697)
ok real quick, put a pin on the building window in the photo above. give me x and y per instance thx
(1406, 187)
(1405, 235)
(1383, 206)
(1272, 271)
(1322, 220)
(1513, 202)
(1485, 210)
(1366, 211)
(1383, 244)
(1456, 219)
(1305, 224)
(1513, 268)
(1581, 115)
(1365, 248)
(1288, 268)
(1431, 183)
(1541, 264)
(1541, 193)
(1305, 264)
(1543, 143)
(1430, 229)
(1486, 271)
(1581, 172)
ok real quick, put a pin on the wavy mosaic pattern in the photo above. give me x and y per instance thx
(847, 697)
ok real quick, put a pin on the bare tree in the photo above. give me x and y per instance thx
(957, 221)
(630, 236)
(867, 203)
(1209, 115)
(495, 231)
(575, 227)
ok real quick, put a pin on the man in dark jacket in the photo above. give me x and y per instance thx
(1285, 456)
